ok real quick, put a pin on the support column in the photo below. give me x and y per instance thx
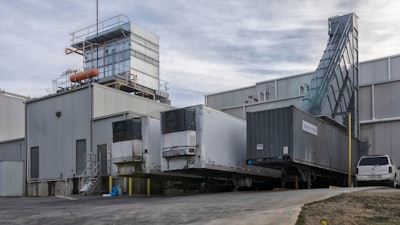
(130, 186)
(109, 184)
(148, 186)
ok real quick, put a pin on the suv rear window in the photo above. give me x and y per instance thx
(374, 161)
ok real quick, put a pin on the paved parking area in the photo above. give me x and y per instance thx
(260, 207)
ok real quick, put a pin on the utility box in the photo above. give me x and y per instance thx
(199, 139)
(288, 137)
(11, 178)
(136, 146)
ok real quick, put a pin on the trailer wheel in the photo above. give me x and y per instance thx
(393, 184)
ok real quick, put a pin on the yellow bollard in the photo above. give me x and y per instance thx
(110, 184)
(130, 186)
(148, 186)
(349, 150)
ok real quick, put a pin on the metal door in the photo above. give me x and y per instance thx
(80, 156)
(102, 157)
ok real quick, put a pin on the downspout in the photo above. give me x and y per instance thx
(27, 162)
(91, 119)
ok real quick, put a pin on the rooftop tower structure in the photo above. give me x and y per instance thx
(125, 55)
(333, 91)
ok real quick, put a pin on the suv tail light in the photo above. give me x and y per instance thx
(390, 169)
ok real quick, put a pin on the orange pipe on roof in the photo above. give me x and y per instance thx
(76, 77)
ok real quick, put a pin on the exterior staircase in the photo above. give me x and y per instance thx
(90, 177)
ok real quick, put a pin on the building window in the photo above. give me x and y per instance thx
(35, 162)
(303, 89)
(263, 96)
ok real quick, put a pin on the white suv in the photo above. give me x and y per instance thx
(377, 169)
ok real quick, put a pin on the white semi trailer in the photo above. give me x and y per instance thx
(204, 141)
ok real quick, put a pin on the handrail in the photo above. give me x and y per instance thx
(337, 54)
(103, 25)
(335, 59)
(90, 178)
(317, 96)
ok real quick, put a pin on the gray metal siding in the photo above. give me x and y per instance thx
(374, 71)
(381, 70)
(382, 138)
(290, 87)
(395, 67)
(12, 118)
(56, 136)
(13, 150)
(272, 129)
(386, 96)
(108, 101)
(11, 178)
(365, 103)
(237, 112)
(277, 128)
(273, 91)
(395, 97)
(268, 87)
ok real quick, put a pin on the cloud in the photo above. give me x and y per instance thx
(205, 46)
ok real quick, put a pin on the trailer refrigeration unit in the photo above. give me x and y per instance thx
(204, 141)
(300, 144)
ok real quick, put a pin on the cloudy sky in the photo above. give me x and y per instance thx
(206, 46)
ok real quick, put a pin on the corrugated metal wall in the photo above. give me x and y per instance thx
(267, 133)
(13, 150)
(109, 101)
(54, 125)
(147, 44)
(12, 118)
(324, 146)
(379, 96)
(379, 106)
(57, 136)
(264, 95)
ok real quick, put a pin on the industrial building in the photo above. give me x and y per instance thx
(125, 54)
(67, 140)
(310, 142)
(12, 143)
(379, 114)
(69, 133)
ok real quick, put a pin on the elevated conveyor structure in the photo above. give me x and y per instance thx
(333, 91)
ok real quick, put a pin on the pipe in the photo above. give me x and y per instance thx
(349, 151)
(84, 75)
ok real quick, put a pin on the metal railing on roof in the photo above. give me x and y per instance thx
(81, 35)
